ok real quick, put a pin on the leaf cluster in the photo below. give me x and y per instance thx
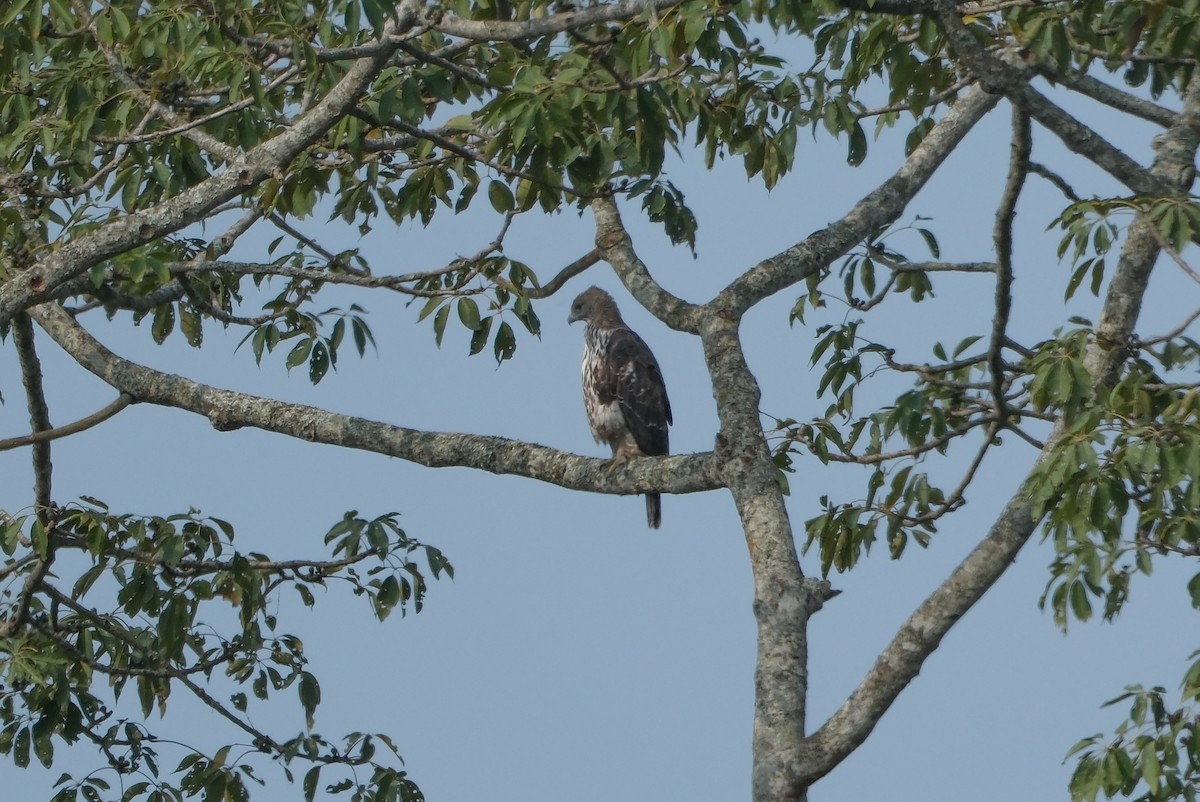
(159, 605)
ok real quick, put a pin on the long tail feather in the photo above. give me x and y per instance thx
(653, 510)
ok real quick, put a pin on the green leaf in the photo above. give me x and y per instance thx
(311, 778)
(43, 748)
(1081, 605)
(310, 696)
(164, 322)
(468, 313)
(964, 345)
(300, 352)
(388, 596)
(501, 197)
(506, 342)
(191, 326)
(21, 748)
(439, 323)
(480, 336)
(857, 147)
(319, 362)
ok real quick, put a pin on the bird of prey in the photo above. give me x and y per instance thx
(623, 389)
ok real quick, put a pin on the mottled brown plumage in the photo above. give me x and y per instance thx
(623, 389)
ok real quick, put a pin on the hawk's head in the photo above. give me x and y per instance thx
(594, 305)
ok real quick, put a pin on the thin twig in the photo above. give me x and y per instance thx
(220, 315)
(877, 298)
(398, 283)
(915, 451)
(955, 499)
(193, 567)
(926, 371)
(449, 66)
(283, 225)
(1170, 335)
(166, 672)
(45, 435)
(203, 140)
(1054, 178)
(13, 566)
(1096, 52)
(186, 125)
(897, 266)
(473, 155)
(1028, 438)
(940, 97)
(1170, 251)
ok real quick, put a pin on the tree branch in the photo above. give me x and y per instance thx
(319, 274)
(904, 453)
(506, 31)
(39, 413)
(1175, 256)
(1003, 237)
(616, 248)
(46, 435)
(227, 410)
(563, 276)
(1054, 178)
(880, 207)
(1110, 96)
(1172, 334)
(783, 598)
(900, 662)
(999, 75)
(243, 173)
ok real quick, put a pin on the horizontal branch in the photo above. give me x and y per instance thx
(943, 267)
(324, 275)
(905, 453)
(508, 30)
(928, 267)
(304, 569)
(228, 409)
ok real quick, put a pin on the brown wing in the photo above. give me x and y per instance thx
(632, 377)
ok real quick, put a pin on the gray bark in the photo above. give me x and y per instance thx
(228, 410)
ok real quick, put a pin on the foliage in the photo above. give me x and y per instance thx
(130, 130)
(168, 602)
(1155, 754)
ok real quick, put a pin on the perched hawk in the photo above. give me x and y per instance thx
(623, 388)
